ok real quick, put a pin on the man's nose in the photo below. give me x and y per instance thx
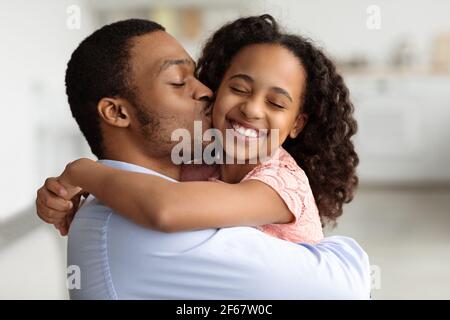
(202, 92)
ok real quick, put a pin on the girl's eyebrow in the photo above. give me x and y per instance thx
(242, 76)
(282, 91)
(247, 78)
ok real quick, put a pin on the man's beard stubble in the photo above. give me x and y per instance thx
(152, 131)
(155, 130)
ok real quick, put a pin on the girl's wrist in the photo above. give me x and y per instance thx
(74, 170)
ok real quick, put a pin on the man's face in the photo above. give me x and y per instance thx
(167, 96)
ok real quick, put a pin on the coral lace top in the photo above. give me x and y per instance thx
(283, 175)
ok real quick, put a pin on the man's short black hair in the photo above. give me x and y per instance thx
(100, 67)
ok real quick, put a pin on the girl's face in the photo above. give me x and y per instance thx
(262, 89)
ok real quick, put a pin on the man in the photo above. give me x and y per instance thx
(129, 85)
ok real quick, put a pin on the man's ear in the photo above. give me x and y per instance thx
(299, 124)
(114, 112)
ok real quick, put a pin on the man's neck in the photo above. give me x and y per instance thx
(162, 165)
(234, 173)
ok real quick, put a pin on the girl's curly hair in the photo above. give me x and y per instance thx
(323, 149)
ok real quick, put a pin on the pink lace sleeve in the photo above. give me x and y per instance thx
(290, 182)
(283, 175)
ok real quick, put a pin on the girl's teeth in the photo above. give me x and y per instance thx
(250, 133)
(245, 132)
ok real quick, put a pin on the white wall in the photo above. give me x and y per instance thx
(37, 139)
(36, 45)
(404, 132)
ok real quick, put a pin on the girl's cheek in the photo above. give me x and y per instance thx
(223, 105)
(219, 111)
(216, 115)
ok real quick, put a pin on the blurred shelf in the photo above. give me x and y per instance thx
(389, 72)
(132, 4)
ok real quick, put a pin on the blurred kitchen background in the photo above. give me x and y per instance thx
(394, 55)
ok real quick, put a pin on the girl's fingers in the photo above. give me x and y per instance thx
(53, 185)
(62, 228)
(50, 215)
(52, 201)
(58, 215)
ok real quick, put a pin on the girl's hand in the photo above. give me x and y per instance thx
(54, 206)
(66, 180)
(58, 200)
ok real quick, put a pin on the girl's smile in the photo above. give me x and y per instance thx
(245, 131)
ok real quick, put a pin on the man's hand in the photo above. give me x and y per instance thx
(57, 203)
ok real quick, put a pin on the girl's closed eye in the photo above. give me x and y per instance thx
(239, 89)
(276, 104)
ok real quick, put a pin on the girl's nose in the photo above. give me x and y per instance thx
(252, 109)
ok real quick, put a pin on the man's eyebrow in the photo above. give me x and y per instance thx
(247, 78)
(175, 62)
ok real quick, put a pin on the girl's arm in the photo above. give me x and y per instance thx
(168, 206)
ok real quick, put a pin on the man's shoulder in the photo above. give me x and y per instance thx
(91, 207)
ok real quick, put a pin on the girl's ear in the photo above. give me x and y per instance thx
(114, 112)
(299, 124)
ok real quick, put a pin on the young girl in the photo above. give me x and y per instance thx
(263, 80)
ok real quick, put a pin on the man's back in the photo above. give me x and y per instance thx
(121, 260)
